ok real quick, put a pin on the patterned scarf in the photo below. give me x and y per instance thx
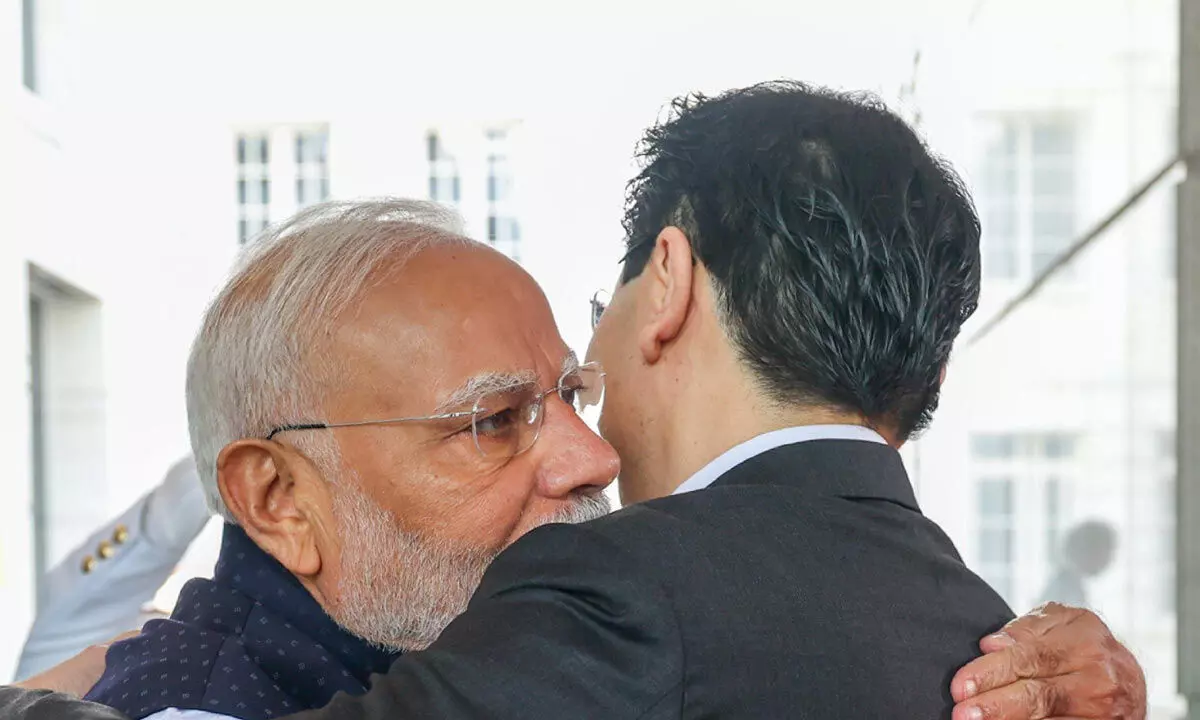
(251, 643)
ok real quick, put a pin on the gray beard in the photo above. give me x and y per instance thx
(399, 590)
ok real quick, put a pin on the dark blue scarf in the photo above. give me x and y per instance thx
(251, 643)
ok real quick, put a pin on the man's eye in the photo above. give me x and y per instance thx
(497, 423)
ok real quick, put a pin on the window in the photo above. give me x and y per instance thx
(1164, 533)
(1027, 196)
(29, 44)
(1150, 540)
(1053, 492)
(1160, 528)
(996, 533)
(503, 229)
(312, 167)
(471, 169)
(993, 446)
(279, 170)
(253, 185)
(1017, 550)
(1054, 446)
(66, 416)
(1052, 217)
(443, 171)
(37, 425)
(998, 202)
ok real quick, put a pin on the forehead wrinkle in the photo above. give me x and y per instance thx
(482, 384)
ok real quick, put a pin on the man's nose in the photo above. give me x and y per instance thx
(572, 458)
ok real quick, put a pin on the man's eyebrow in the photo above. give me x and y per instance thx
(489, 382)
(469, 392)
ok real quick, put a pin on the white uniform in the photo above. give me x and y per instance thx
(98, 590)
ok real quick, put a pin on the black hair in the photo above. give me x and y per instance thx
(845, 255)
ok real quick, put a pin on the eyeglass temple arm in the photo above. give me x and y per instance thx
(290, 428)
(361, 423)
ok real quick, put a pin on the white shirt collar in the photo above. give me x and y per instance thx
(739, 454)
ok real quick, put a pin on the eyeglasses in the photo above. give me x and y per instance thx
(602, 298)
(599, 304)
(503, 423)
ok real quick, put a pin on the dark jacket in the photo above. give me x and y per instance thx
(804, 583)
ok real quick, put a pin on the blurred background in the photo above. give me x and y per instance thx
(142, 143)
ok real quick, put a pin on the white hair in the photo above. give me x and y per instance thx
(261, 358)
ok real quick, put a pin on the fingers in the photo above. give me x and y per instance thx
(1047, 642)
(1061, 697)
(1032, 699)
(1056, 662)
(1021, 660)
(981, 675)
(1040, 621)
(995, 643)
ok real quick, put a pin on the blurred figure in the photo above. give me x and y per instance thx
(99, 589)
(1086, 552)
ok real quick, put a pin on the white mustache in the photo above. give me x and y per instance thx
(584, 508)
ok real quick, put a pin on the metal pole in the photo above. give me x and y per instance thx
(1188, 370)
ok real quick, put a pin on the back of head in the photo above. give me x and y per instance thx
(257, 360)
(845, 256)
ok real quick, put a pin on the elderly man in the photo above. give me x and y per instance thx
(448, 429)
(786, 311)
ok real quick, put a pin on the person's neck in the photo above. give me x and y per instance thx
(711, 421)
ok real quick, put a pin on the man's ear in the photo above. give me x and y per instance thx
(274, 493)
(667, 279)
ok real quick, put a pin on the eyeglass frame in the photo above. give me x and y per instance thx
(538, 400)
(600, 306)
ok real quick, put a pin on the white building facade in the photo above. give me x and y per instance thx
(1065, 413)
(153, 143)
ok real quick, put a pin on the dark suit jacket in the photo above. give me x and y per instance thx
(804, 583)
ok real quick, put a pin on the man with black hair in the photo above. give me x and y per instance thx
(798, 266)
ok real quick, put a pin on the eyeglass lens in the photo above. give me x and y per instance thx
(507, 423)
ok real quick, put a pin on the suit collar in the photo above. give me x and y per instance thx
(834, 468)
(759, 444)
